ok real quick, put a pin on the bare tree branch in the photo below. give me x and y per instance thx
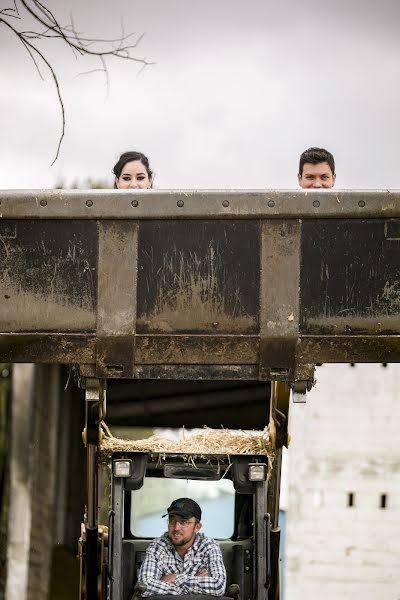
(26, 46)
(33, 59)
(5, 11)
(81, 45)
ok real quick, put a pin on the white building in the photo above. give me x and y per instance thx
(342, 534)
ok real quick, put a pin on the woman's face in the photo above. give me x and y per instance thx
(133, 176)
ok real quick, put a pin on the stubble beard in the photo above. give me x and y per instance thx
(184, 541)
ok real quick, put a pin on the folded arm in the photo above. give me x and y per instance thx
(150, 574)
(212, 583)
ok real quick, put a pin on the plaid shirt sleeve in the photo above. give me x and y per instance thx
(213, 584)
(151, 572)
(160, 559)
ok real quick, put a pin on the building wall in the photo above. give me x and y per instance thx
(5, 422)
(342, 536)
(20, 504)
(47, 483)
(43, 457)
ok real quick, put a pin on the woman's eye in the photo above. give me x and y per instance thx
(140, 177)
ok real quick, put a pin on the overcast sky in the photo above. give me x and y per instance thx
(238, 90)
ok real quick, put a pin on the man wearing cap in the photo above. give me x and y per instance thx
(183, 561)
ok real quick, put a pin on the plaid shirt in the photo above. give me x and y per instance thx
(162, 559)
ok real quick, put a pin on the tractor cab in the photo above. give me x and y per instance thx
(163, 296)
(233, 494)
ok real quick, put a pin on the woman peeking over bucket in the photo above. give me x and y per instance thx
(132, 172)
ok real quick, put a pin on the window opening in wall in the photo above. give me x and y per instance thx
(350, 499)
(383, 500)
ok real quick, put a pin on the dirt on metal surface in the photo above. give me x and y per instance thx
(22, 311)
(391, 294)
(196, 302)
(47, 276)
(348, 324)
(186, 349)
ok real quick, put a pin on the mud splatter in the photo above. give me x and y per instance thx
(196, 300)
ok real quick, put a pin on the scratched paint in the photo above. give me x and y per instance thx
(198, 277)
(350, 273)
(197, 300)
(391, 294)
(47, 276)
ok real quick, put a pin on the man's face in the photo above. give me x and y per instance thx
(316, 176)
(181, 531)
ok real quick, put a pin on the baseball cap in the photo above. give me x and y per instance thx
(185, 508)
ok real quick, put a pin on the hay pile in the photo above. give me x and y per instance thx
(208, 442)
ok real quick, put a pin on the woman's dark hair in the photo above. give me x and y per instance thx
(127, 157)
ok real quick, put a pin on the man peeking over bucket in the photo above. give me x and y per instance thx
(316, 169)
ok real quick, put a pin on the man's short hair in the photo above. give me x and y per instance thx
(316, 156)
(184, 507)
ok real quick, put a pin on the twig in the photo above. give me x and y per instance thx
(81, 46)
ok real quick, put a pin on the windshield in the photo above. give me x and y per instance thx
(216, 499)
